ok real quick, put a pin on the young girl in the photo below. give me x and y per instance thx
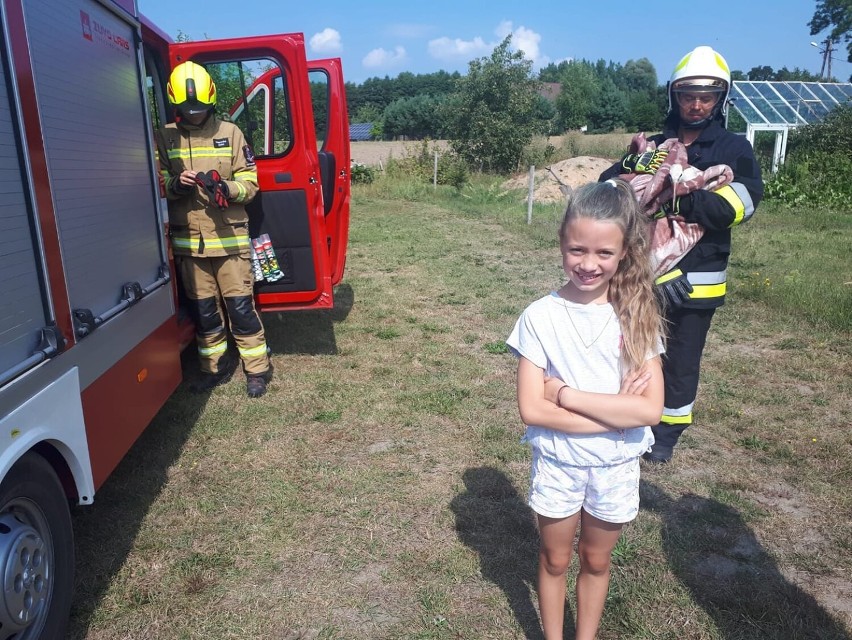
(589, 380)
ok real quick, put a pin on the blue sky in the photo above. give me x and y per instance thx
(390, 36)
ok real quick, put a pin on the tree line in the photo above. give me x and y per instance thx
(599, 96)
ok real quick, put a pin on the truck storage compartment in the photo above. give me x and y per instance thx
(23, 304)
(95, 129)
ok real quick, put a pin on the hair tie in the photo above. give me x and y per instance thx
(611, 183)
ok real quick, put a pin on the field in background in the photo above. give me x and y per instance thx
(378, 490)
(610, 145)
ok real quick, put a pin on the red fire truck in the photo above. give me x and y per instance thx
(90, 324)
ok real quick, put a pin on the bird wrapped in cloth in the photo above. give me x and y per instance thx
(658, 190)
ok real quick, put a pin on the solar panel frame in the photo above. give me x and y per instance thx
(794, 103)
(779, 106)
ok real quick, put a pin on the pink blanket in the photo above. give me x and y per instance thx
(671, 236)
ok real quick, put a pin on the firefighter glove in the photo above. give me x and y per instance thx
(214, 187)
(674, 287)
(677, 206)
(648, 162)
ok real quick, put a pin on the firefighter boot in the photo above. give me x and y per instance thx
(256, 383)
(209, 381)
(659, 454)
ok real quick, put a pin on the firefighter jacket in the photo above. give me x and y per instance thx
(717, 212)
(196, 225)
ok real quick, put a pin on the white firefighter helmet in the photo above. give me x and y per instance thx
(701, 70)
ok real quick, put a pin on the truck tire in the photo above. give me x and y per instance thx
(36, 553)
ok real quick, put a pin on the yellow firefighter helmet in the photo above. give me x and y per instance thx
(191, 89)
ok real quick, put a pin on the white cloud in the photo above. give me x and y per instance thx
(523, 39)
(503, 29)
(326, 41)
(382, 58)
(455, 48)
(526, 40)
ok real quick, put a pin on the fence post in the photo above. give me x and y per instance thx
(530, 196)
(435, 172)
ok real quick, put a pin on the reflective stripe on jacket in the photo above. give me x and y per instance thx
(197, 226)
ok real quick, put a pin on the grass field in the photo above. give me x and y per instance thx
(378, 490)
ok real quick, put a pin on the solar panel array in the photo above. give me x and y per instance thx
(360, 131)
(780, 107)
(787, 103)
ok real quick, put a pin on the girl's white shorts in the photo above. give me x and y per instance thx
(608, 493)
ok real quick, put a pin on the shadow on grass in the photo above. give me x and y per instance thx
(493, 520)
(309, 332)
(105, 532)
(717, 557)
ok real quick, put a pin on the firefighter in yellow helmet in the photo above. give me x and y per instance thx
(698, 95)
(210, 175)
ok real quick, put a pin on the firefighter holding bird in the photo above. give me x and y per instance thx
(210, 175)
(698, 93)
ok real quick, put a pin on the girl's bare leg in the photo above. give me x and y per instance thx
(554, 558)
(597, 540)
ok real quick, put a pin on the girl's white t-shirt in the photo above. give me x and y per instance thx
(581, 345)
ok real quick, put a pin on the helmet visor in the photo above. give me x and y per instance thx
(193, 107)
(694, 85)
(703, 98)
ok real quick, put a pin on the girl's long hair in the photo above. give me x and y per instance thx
(631, 291)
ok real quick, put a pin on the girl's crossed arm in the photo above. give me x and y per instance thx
(638, 403)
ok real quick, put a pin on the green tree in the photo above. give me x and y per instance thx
(491, 116)
(801, 75)
(365, 113)
(381, 92)
(643, 113)
(783, 74)
(640, 76)
(416, 117)
(544, 111)
(609, 111)
(836, 14)
(579, 93)
(761, 73)
(553, 71)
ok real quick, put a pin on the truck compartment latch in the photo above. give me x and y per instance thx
(131, 292)
(84, 322)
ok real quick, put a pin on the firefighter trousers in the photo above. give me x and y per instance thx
(210, 282)
(688, 330)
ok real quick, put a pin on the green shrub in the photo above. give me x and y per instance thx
(540, 152)
(817, 167)
(361, 173)
(420, 165)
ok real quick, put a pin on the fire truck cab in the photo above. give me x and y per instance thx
(90, 328)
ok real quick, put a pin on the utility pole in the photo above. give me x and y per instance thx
(827, 57)
(828, 43)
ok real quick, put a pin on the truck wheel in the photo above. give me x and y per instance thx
(36, 553)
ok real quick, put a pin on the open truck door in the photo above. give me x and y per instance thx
(266, 80)
(331, 119)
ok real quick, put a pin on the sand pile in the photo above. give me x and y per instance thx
(572, 172)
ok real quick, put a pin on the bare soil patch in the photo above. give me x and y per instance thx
(572, 173)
